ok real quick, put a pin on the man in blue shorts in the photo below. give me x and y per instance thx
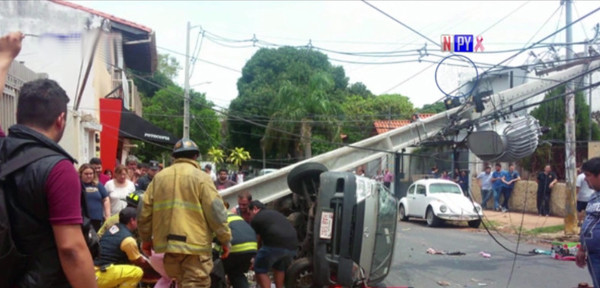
(278, 242)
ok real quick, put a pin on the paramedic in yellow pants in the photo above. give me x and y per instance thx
(118, 249)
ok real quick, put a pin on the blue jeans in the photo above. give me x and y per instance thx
(593, 264)
(486, 195)
(497, 191)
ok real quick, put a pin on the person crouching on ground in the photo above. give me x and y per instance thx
(279, 244)
(118, 251)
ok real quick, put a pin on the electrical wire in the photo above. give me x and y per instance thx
(504, 18)
(527, 48)
(401, 23)
(200, 59)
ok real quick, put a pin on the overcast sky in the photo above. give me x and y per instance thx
(350, 27)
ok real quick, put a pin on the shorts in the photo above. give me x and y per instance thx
(278, 258)
(581, 206)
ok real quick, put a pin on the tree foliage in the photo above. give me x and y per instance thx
(238, 155)
(434, 108)
(360, 113)
(275, 90)
(552, 114)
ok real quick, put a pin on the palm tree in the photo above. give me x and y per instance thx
(238, 156)
(296, 108)
(216, 155)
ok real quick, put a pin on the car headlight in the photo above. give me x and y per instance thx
(443, 208)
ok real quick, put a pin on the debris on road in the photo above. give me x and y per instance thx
(435, 252)
(441, 252)
(540, 252)
(443, 283)
(485, 255)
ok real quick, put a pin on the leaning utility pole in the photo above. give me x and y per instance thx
(186, 94)
(570, 139)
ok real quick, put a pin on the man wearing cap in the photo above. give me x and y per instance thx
(119, 250)
(144, 181)
(181, 212)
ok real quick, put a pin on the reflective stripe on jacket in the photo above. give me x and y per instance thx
(243, 236)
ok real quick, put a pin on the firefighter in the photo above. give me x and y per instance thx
(181, 211)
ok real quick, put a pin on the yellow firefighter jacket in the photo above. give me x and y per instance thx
(182, 210)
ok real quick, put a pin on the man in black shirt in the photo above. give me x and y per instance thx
(546, 181)
(279, 244)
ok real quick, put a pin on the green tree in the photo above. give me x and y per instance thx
(359, 89)
(359, 113)
(434, 108)
(268, 75)
(167, 69)
(392, 106)
(165, 110)
(299, 108)
(552, 114)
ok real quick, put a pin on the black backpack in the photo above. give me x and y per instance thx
(11, 260)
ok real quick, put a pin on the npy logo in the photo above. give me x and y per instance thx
(461, 43)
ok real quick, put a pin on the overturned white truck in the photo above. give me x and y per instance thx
(347, 223)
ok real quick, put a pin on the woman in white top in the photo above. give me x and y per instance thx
(118, 188)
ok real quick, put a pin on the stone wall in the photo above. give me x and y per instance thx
(524, 196)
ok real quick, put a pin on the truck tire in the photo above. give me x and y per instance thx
(299, 274)
(305, 173)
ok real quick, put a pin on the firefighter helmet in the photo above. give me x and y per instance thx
(185, 145)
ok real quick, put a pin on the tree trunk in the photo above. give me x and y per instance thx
(306, 134)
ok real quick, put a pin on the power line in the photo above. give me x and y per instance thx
(401, 23)
(504, 18)
(201, 60)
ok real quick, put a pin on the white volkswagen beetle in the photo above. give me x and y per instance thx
(436, 200)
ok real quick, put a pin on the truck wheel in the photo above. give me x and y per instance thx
(308, 173)
(432, 220)
(402, 213)
(299, 274)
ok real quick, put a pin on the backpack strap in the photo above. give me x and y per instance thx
(23, 160)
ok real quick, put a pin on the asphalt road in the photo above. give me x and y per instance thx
(413, 267)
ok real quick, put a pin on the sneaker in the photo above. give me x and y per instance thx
(504, 210)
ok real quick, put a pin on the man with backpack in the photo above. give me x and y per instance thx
(40, 203)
